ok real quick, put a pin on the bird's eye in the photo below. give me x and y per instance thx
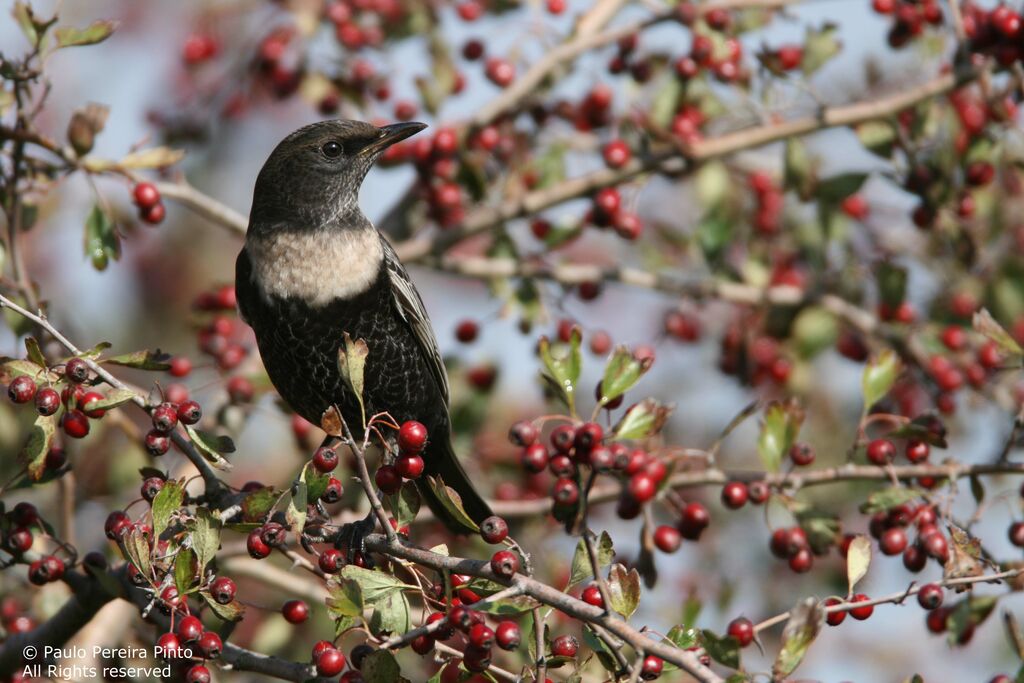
(331, 150)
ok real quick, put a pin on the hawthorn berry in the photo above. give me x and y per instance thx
(641, 487)
(565, 646)
(47, 401)
(295, 611)
(331, 561)
(508, 635)
(494, 529)
(592, 596)
(325, 459)
(410, 466)
(758, 492)
(499, 71)
(1016, 534)
(801, 454)
(504, 563)
(388, 479)
(734, 495)
(117, 523)
(76, 370)
(917, 451)
(862, 612)
(189, 628)
(168, 646)
(930, 596)
(893, 541)
(257, 548)
(146, 195)
(651, 668)
(75, 424)
(801, 561)
(333, 491)
(481, 636)
(330, 662)
(467, 331)
(156, 442)
(523, 433)
(18, 540)
(837, 617)
(694, 520)
(565, 491)
(22, 389)
(89, 398)
(534, 458)
(616, 154)
(210, 645)
(589, 435)
(412, 437)
(151, 486)
(563, 437)
(742, 629)
(223, 590)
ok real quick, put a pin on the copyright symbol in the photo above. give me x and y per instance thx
(30, 652)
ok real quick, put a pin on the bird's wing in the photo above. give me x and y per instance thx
(410, 307)
(243, 283)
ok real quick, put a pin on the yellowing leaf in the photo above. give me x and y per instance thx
(858, 558)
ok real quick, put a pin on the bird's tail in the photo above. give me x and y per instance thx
(441, 463)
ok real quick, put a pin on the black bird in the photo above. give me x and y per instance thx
(314, 267)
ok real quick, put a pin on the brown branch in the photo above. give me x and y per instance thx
(204, 205)
(553, 597)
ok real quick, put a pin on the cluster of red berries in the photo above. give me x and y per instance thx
(166, 417)
(909, 18)
(760, 360)
(626, 59)
(16, 538)
(221, 336)
(149, 202)
(189, 635)
(198, 48)
(682, 325)
(721, 56)
(785, 58)
(412, 438)
(859, 612)
(768, 203)
(890, 530)
(791, 544)
(13, 617)
(996, 31)
(75, 397)
(606, 211)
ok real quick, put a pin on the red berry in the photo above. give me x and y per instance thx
(641, 487)
(616, 154)
(1016, 534)
(388, 479)
(165, 417)
(758, 492)
(330, 662)
(667, 538)
(210, 645)
(742, 629)
(18, 540)
(257, 548)
(167, 646)
(881, 451)
(834, 618)
(499, 71)
(801, 454)
(154, 215)
(917, 451)
(893, 541)
(695, 519)
(801, 561)
(651, 668)
(333, 491)
(189, 628)
(223, 590)
(481, 636)
(412, 437)
(156, 443)
(494, 529)
(592, 596)
(91, 397)
(565, 646)
(734, 495)
(325, 459)
(534, 458)
(22, 389)
(588, 435)
(930, 596)
(410, 466)
(189, 412)
(508, 635)
(608, 201)
(146, 195)
(295, 611)
(563, 437)
(467, 331)
(75, 424)
(861, 613)
(47, 401)
(504, 563)
(523, 433)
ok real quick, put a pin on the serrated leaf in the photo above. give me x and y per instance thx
(984, 323)
(167, 501)
(184, 570)
(581, 569)
(102, 242)
(800, 631)
(858, 559)
(562, 363)
(345, 599)
(142, 360)
(879, 375)
(452, 502)
(210, 446)
(779, 429)
(391, 614)
(642, 420)
(964, 555)
(886, 499)
(405, 505)
(380, 666)
(724, 650)
(624, 590)
(233, 611)
(684, 637)
(113, 399)
(36, 447)
(373, 584)
(820, 45)
(622, 373)
(94, 33)
(257, 504)
(351, 364)
(136, 549)
(205, 537)
(155, 157)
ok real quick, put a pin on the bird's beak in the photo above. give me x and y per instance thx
(389, 135)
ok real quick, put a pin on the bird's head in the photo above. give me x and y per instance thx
(313, 176)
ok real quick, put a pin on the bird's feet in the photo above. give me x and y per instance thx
(352, 540)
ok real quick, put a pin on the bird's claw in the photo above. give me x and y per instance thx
(352, 538)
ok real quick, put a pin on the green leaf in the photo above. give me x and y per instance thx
(886, 499)
(802, 628)
(837, 188)
(184, 570)
(233, 611)
(351, 364)
(405, 505)
(879, 375)
(166, 503)
(211, 446)
(624, 590)
(581, 569)
(136, 549)
(724, 650)
(779, 430)
(11, 368)
(35, 354)
(34, 452)
(967, 614)
(892, 283)
(878, 137)
(622, 373)
(380, 666)
(800, 170)
(102, 242)
(858, 559)
(295, 514)
(642, 420)
(96, 32)
(666, 102)
(820, 45)
(562, 364)
(26, 22)
(257, 504)
(205, 537)
(452, 502)
(684, 637)
(715, 231)
(814, 331)
(142, 360)
(821, 528)
(373, 584)
(549, 167)
(391, 614)
(113, 399)
(604, 656)
(984, 323)
(345, 599)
